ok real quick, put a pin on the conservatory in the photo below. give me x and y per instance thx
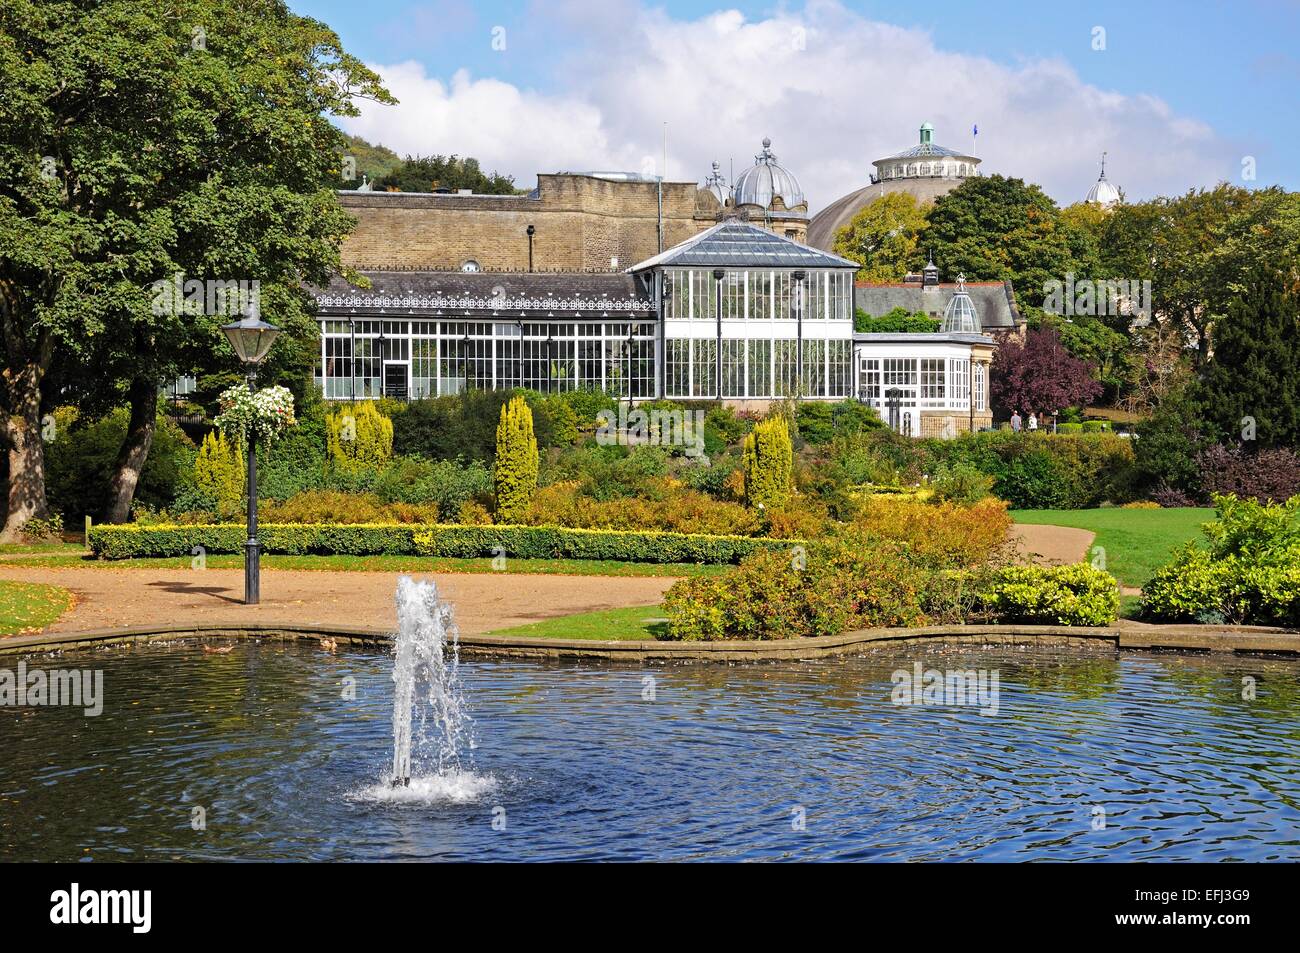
(929, 384)
(748, 315)
(422, 334)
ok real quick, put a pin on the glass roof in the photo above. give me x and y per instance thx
(960, 315)
(735, 244)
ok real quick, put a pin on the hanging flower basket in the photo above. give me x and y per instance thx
(266, 413)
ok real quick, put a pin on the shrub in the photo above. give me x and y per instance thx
(820, 422)
(1190, 588)
(766, 461)
(463, 426)
(677, 509)
(961, 483)
(771, 597)
(515, 470)
(79, 462)
(1167, 496)
(1069, 428)
(359, 437)
(1077, 594)
(441, 540)
(941, 535)
(448, 484)
(1248, 572)
(40, 529)
(220, 473)
(335, 506)
(1268, 475)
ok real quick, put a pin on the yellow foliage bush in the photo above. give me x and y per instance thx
(359, 437)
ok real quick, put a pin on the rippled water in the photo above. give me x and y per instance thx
(601, 762)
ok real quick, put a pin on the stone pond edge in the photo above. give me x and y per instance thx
(1183, 638)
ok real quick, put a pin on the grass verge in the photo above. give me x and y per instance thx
(1136, 542)
(30, 606)
(631, 623)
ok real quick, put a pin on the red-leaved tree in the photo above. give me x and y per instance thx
(1040, 375)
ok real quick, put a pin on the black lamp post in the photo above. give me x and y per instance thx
(799, 276)
(352, 355)
(550, 370)
(627, 346)
(532, 229)
(251, 338)
(464, 358)
(718, 275)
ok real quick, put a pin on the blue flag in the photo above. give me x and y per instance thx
(975, 130)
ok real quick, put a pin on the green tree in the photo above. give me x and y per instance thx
(369, 162)
(991, 227)
(895, 321)
(766, 461)
(515, 471)
(1179, 244)
(883, 237)
(1250, 387)
(140, 140)
(429, 173)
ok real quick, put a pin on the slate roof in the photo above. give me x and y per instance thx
(736, 244)
(994, 301)
(488, 291)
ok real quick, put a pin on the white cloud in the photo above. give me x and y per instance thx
(833, 90)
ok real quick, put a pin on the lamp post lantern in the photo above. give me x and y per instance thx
(251, 338)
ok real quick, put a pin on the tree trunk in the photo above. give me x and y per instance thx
(24, 437)
(134, 451)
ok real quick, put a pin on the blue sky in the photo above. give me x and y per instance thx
(1180, 97)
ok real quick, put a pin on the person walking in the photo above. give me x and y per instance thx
(1033, 421)
(1016, 422)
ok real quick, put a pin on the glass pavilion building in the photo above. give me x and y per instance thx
(735, 313)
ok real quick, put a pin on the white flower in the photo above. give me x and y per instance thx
(267, 413)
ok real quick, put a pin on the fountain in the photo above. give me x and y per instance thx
(426, 661)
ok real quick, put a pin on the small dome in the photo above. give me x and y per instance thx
(960, 315)
(765, 180)
(1102, 192)
(716, 184)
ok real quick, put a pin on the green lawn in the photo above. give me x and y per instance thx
(30, 606)
(636, 623)
(560, 567)
(1137, 542)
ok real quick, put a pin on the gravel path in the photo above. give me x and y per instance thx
(114, 597)
(1052, 545)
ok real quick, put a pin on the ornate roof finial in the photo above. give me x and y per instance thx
(1103, 165)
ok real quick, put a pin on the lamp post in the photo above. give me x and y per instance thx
(550, 367)
(251, 338)
(464, 358)
(798, 276)
(532, 230)
(718, 275)
(352, 355)
(627, 346)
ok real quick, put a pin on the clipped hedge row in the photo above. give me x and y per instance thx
(126, 541)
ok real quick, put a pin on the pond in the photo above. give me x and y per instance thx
(282, 750)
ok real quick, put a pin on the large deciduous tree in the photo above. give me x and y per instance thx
(140, 140)
(884, 238)
(992, 227)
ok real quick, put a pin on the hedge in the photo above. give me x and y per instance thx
(126, 541)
